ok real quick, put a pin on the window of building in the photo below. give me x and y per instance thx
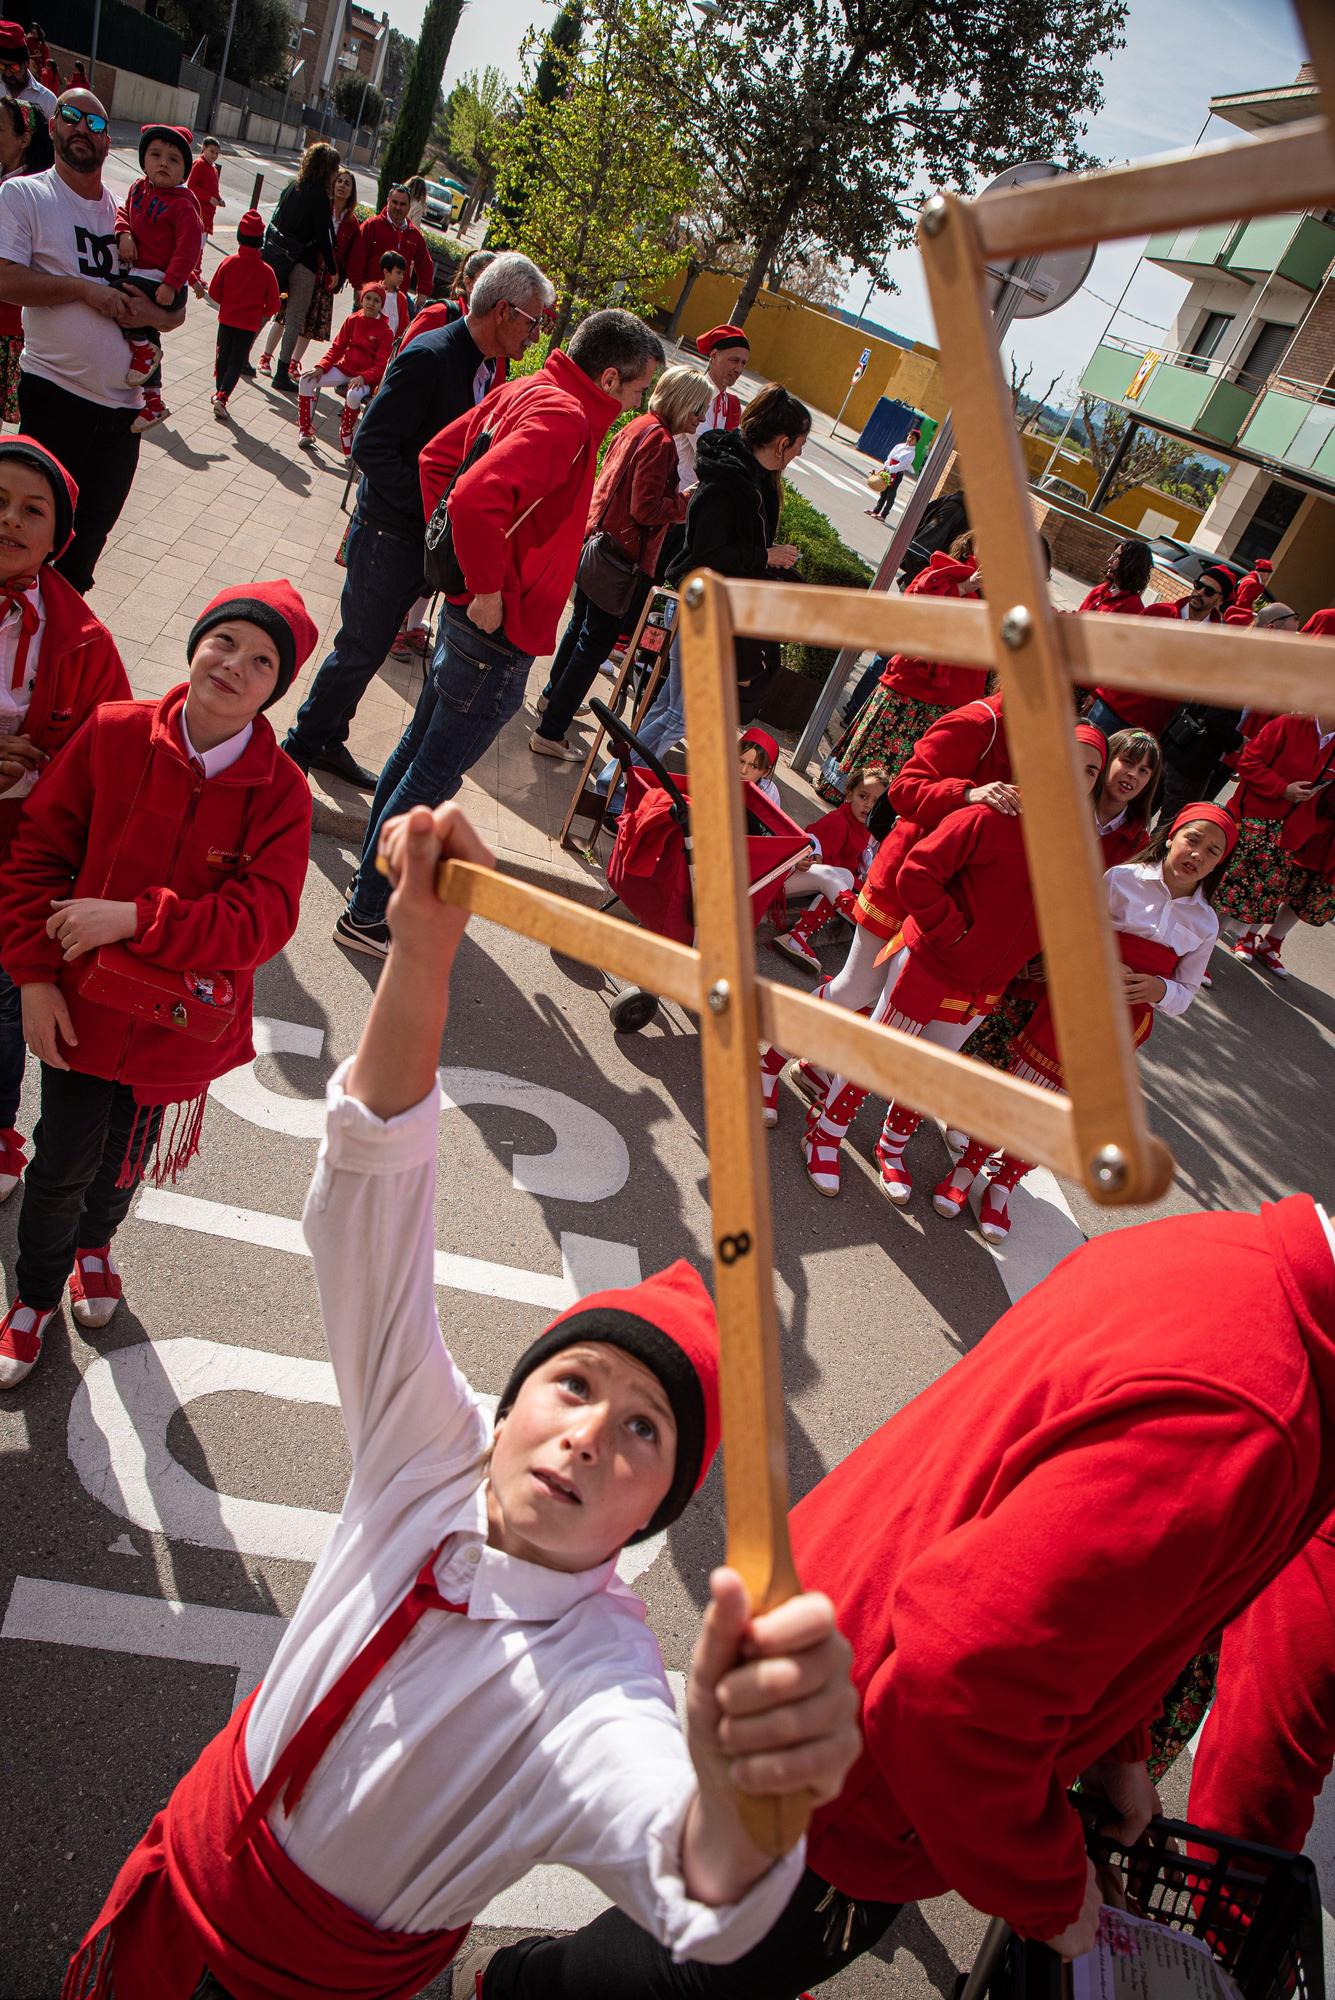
(1263, 356)
(1207, 338)
(1269, 523)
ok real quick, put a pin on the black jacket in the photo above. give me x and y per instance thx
(427, 385)
(733, 513)
(304, 216)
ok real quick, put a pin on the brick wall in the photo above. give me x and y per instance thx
(1310, 355)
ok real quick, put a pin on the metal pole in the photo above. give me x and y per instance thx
(282, 119)
(92, 59)
(212, 118)
(854, 383)
(1013, 283)
(1114, 465)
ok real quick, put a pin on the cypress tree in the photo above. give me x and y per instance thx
(412, 127)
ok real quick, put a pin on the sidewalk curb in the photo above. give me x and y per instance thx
(349, 823)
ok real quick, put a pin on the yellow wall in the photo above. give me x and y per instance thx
(1304, 573)
(814, 355)
(1129, 508)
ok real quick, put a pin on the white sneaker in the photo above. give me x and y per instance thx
(543, 746)
(467, 1970)
(21, 1333)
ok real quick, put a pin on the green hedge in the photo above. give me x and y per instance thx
(824, 559)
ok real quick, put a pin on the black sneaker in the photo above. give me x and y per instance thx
(373, 939)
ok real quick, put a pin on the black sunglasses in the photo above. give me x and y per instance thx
(74, 114)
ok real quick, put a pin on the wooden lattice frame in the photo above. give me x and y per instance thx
(1096, 1132)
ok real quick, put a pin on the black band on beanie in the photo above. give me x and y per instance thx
(729, 340)
(256, 612)
(660, 1354)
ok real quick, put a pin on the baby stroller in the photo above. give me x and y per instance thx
(650, 865)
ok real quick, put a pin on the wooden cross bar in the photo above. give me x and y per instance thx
(1096, 1129)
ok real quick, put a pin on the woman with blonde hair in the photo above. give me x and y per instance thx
(642, 489)
(299, 236)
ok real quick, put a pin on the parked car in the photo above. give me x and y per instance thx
(1063, 489)
(1185, 560)
(444, 201)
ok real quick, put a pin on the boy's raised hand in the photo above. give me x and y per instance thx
(412, 846)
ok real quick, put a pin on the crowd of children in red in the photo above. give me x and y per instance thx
(466, 1689)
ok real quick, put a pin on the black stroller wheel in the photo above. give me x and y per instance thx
(632, 1010)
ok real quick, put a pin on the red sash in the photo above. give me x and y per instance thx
(1036, 1044)
(209, 1885)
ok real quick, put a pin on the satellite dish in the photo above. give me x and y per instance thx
(1058, 274)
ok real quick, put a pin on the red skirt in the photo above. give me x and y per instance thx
(923, 998)
(258, 1923)
(1036, 1044)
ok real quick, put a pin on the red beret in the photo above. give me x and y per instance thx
(720, 336)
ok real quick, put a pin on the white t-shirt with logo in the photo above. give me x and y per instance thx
(47, 227)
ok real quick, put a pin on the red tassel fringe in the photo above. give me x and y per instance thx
(93, 1958)
(161, 1147)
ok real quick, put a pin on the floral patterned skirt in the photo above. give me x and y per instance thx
(886, 732)
(1312, 895)
(1260, 875)
(320, 316)
(1184, 1705)
(11, 347)
(992, 1043)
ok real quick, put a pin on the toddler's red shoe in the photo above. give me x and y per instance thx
(13, 1160)
(266, 364)
(21, 1333)
(95, 1287)
(144, 358)
(155, 411)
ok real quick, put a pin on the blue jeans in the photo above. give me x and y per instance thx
(476, 684)
(13, 1050)
(384, 579)
(665, 724)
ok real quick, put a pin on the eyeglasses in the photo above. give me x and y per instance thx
(74, 114)
(535, 320)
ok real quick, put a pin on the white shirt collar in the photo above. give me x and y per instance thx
(506, 1586)
(223, 755)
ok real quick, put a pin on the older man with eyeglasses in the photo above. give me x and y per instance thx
(57, 261)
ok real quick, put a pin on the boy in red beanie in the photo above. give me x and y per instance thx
(466, 1689)
(57, 663)
(159, 238)
(355, 363)
(202, 181)
(156, 866)
(245, 291)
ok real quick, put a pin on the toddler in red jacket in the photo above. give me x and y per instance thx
(57, 662)
(355, 363)
(245, 291)
(202, 181)
(156, 867)
(160, 238)
(842, 856)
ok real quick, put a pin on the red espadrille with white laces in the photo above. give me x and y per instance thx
(95, 1287)
(13, 1160)
(21, 1333)
(1267, 956)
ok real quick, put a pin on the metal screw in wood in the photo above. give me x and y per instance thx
(1109, 1169)
(718, 996)
(1017, 628)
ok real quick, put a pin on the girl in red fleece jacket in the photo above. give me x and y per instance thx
(913, 694)
(57, 663)
(970, 926)
(842, 852)
(355, 363)
(168, 844)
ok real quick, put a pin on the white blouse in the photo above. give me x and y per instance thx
(1138, 902)
(535, 1727)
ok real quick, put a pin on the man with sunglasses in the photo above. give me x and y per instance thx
(17, 77)
(427, 385)
(57, 260)
(1198, 737)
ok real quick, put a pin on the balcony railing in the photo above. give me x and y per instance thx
(1300, 248)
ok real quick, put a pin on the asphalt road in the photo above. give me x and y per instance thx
(166, 1486)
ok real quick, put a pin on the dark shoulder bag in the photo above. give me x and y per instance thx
(440, 565)
(607, 576)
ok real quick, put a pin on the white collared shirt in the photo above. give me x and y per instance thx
(1103, 826)
(1139, 902)
(16, 701)
(37, 94)
(900, 459)
(223, 755)
(535, 1727)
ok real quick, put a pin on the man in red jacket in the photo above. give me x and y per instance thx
(517, 517)
(391, 230)
(57, 664)
(1023, 1559)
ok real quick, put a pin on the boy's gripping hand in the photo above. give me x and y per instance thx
(412, 846)
(770, 1710)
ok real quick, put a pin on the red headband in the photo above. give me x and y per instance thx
(761, 740)
(1085, 732)
(1213, 815)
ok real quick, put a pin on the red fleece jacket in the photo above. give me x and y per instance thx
(964, 749)
(245, 290)
(1269, 1741)
(1129, 603)
(1286, 752)
(214, 866)
(842, 840)
(202, 181)
(378, 234)
(970, 904)
(361, 346)
(167, 230)
(1027, 1554)
(936, 680)
(518, 513)
(78, 668)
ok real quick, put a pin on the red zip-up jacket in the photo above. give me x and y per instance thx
(1286, 752)
(214, 866)
(1026, 1555)
(167, 230)
(1269, 1741)
(965, 887)
(245, 290)
(965, 748)
(518, 513)
(361, 346)
(202, 181)
(842, 840)
(378, 234)
(1103, 597)
(936, 681)
(638, 506)
(78, 668)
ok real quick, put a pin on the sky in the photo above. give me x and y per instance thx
(1178, 54)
